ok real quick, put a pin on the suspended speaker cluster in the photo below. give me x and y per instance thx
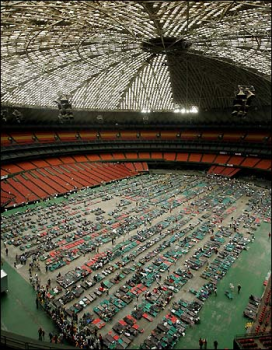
(243, 100)
(65, 108)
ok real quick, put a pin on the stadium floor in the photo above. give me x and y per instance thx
(221, 318)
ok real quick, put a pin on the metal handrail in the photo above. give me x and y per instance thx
(17, 341)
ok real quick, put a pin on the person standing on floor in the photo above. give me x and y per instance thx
(40, 332)
(101, 341)
(50, 336)
(239, 288)
(205, 343)
(215, 344)
(37, 302)
(200, 342)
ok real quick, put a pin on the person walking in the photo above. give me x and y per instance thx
(215, 344)
(239, 288)
(40, 332)
(37, 302)
(101, 341)
(6, 251)
(200, 342)
(205, 343)
(50, 336)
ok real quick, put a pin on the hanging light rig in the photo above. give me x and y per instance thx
(243, 100)
(65, 109)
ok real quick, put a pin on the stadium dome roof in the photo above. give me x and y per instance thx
(134, 55)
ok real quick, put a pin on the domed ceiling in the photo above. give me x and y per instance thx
(134, 55)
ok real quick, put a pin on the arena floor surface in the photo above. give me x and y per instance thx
(175, 196)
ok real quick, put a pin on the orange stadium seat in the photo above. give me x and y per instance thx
(23, 137)
(45, 137)
(250, 162)
(170, 156)
(88, 135)
(182, 157)
(208, 158)
(195, 157)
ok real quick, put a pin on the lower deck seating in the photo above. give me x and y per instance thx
(264, 164)
(250, 162)
(223, 171)
(6, 198)
(36, 179)
(45, 181)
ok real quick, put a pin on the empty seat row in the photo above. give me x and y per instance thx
(219, 159)
(32, 184)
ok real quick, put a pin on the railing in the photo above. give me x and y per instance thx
(252, 335)
(16, 341)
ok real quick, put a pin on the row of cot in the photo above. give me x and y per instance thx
(108, 286)
(203, 296)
